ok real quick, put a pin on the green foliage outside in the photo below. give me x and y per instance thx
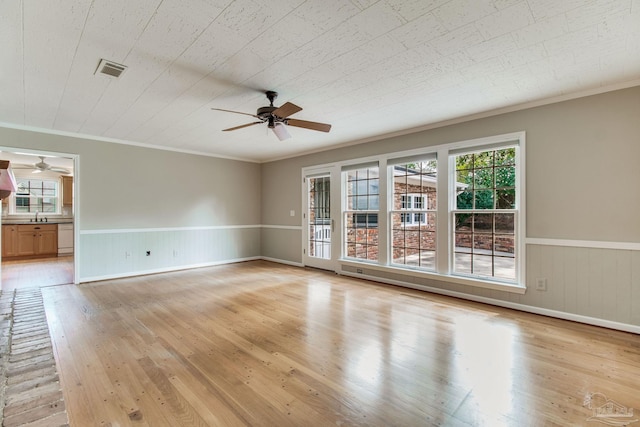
(428, 168)
(485, 180)
(490, 178)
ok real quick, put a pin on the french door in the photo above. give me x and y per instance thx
(318, 222)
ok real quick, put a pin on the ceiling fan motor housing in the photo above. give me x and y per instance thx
(265, 112)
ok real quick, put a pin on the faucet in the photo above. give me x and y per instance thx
(36, 216)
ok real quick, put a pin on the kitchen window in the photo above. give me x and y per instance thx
(35, 195)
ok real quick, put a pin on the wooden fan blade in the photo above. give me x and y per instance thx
(237, 112)
(242, 126)
(286, 110)
(322, 127)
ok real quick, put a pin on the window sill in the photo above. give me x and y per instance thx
(447, 278)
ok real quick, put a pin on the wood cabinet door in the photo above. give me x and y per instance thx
(27, 242)
(47, 242)
(9, 240)
(67, 191)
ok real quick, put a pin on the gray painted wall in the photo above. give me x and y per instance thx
(581, 177)
(128, 187)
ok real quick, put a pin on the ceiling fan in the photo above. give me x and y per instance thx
(278, 117)
(43, 166)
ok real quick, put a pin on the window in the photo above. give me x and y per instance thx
(454, 210)
(320, 190)
(36, 195)
(365, 220)
(485, 214)
(413, 234)
(412, 202)
(319, 217)
(362, 203)
(418, 202)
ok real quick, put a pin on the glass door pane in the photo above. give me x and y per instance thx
(319, 214)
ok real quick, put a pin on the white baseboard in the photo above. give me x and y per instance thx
(282, 261)
(165, 270)
(506, 304)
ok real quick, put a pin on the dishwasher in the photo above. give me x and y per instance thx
(65, 239)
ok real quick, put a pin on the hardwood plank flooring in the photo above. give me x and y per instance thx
(39, 272)
(262, 344)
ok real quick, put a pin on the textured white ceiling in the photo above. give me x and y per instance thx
(367, 67)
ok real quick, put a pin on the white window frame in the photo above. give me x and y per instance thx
(453, 192)
(42, 177)
(445, 205)
(355, 212)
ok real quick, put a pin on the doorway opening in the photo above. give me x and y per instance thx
(39, 220)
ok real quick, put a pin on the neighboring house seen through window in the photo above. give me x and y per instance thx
(413, 215)
(362, 194)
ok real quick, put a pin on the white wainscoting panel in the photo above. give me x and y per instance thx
(594, 282)
(108, 254)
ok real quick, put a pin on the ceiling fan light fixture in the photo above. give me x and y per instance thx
(281, 131)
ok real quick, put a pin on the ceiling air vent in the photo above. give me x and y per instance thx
(110, 68)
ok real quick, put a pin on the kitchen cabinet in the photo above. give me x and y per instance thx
(67, 191)
(9, 240)
(47, 242)
(26, 242)
(37, 240)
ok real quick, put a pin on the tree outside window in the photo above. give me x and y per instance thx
(485, 215)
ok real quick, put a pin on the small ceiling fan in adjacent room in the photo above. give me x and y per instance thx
(43, 166)
(277, 118)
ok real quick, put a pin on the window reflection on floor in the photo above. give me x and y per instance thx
(484, 363)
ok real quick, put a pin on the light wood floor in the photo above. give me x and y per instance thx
(30, 273)
(263, 344)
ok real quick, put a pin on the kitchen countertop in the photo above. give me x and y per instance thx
(27, 222)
